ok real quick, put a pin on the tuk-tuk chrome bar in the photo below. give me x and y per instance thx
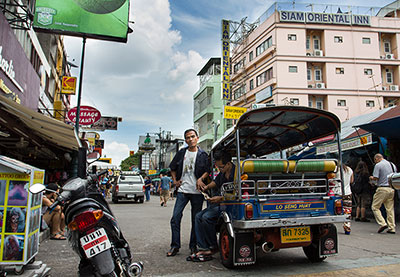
(285, 222)
(341, 161)
(238, 164)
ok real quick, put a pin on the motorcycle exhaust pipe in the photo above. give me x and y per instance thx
(267, 246)
(135, 269)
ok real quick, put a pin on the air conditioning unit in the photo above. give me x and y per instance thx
(310, 86)
(393, 87)
(318, 53)
(389, 56)
(320, 85)
(308, 54)
(384, 88)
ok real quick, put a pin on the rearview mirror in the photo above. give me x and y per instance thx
(36, 188)
(122, 177)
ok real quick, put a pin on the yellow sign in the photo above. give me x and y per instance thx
(106, 160)
(152, 171)
(68, 85)
(225, 62)
(231, 112)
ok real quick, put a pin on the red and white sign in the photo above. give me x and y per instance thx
(87, 115)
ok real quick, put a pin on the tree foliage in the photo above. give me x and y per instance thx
(131, 161)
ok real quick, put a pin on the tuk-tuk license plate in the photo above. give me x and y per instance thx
(95, 243)
(295, 234)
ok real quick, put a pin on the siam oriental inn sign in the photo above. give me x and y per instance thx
(324, 18)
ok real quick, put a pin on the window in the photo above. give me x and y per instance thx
(264, 46)
(389, 76)
(318, 74)
(366, 40)
(386, 46)
(239, 65)
(341, 103)
(338, 39)
(319, 103)
(316, 43)
(264, 77)
(292, 69)
(294, 101)
(239, 92)
(308, 74)
(339, 70)
(310, 103)
(367, 71)
(308, 42)
(370, 103)
(251, 56)
(292, 37)
(251, 84)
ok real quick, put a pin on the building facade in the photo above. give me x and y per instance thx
(208, 104)
(341, 59)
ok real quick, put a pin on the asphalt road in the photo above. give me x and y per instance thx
(146, 227)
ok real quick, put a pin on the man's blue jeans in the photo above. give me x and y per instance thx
(206, 220)
(196, 201)
(147, 192)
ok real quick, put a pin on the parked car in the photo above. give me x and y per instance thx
(129, 186)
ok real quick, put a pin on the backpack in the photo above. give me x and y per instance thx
(357, 186)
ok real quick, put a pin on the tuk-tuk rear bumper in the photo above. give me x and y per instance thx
(283, 222)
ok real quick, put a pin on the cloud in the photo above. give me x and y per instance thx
(117, 151)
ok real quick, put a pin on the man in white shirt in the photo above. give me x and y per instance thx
(384, 194)
(188, 169)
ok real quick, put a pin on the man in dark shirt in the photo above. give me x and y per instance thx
(206, 220)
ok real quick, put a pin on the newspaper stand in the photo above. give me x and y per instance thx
(19, 214)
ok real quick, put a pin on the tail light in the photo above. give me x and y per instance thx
(85, 220)
(116, 188)
(248, 211)
(338, 206)
(144, 188)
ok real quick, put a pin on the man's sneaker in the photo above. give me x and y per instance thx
(383, 228)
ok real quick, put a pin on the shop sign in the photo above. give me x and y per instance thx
(8, 68)
(104, 123)
(346, 144)
(231, 112)
(87, 115)
(68, 85)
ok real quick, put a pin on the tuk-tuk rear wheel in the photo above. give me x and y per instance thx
(226, 247)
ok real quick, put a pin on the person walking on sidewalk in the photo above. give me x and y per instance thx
(384, 194)
(188, 169)
(165, 184)
(363, 190)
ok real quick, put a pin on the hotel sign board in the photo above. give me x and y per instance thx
(225, 61)
(324, 18)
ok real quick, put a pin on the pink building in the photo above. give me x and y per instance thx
(342, 59)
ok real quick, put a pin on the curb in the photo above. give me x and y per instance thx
(44, 235)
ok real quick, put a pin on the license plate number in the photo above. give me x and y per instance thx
(131, 196)
(95, 243)
(295, 234)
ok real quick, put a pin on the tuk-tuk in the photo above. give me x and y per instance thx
(279, 203)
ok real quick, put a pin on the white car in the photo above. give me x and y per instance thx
(129, 186)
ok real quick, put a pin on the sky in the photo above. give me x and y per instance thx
(150, 80)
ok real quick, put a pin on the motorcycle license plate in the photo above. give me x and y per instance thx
(95, 243)
(295, 234)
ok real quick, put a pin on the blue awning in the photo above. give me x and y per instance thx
(388, 128)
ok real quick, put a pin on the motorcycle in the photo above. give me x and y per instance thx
(93, 231)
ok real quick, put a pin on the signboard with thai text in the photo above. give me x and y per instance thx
(346, 144)
(231, 112)
(104, 123)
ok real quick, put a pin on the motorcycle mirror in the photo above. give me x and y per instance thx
(36, 188)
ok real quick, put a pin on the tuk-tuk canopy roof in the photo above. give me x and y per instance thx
(272, 129)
